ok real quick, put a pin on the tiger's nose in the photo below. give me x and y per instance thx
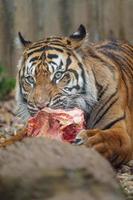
(41, 103)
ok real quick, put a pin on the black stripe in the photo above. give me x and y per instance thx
(82, 69)
(77, 87)
(129, 47)
(52, 62)
(125, 82)
(50, 56)
(114, 122)
(33, 64)
(127, 51)
(68, 62)
(57, 49)
(121, 61)
(55, 38)
(53, 48)
(98, 85)
(83, 77)
(111, 45)
(122, 68)
(57, 96)
(60, 66)
(37, 45)
(128, 65)
(102, 92)
(103, 60)
(44, 48)
(56, 44)
(101, 116)
(34, 59)
(74, 72)
(56, 102)
(94, 55)
(35, 50)
(103, 104)
(129, 75)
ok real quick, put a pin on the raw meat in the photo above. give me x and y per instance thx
(57, 124)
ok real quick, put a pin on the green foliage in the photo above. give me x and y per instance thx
(6, 83)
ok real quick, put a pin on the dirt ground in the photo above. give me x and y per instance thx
(9, 124)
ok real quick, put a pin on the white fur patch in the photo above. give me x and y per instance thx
(76, 33)
(91, 87)
(21, 108)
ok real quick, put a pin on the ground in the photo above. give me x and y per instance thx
(9, 123)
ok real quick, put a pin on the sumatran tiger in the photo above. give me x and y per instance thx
(68, 72)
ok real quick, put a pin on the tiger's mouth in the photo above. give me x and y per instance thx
(34, 111)
(65, 104)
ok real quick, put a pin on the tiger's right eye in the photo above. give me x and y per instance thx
(58, 75)
(30, 79)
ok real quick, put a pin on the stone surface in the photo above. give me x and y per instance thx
(125, 178)
(44, 169)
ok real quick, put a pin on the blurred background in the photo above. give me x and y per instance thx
(37, 19)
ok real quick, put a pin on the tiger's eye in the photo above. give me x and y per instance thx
(30, 79)
(58, 75)
(66, 88)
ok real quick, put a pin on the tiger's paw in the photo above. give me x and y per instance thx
(113, 147)
(86, 136)
(92, 138)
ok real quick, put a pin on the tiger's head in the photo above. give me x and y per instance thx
(52, 72)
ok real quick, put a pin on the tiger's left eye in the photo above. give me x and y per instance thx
(58, 75)
(30, 79)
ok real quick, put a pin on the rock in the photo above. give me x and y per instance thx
(124, 169)
(44, 169)
(125, 178)
(130, 164)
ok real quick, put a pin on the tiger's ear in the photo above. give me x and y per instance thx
(78, 37)
(24, 42)
(79, 34)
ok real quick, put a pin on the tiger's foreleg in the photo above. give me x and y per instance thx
(114, 144)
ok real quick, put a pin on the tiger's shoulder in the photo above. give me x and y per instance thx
(120, 52)
(112, 62)
(113, 53)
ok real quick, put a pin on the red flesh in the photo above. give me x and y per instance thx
(57, 124)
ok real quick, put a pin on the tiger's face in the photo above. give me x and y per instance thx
(51, 73)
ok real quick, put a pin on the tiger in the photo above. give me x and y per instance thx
(70, 71)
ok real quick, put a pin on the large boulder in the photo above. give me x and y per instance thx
(44, 169)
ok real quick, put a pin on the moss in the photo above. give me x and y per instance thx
(7, 84)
